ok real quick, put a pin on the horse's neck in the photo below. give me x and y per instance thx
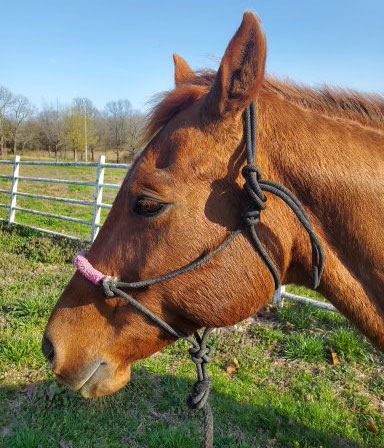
(336, 168)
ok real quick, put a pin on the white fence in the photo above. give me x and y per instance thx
(97, 203)
(303, 300)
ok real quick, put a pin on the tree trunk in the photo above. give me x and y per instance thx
(3, 148)
(14, 147)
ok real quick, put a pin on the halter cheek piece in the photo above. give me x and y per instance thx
(255, 187)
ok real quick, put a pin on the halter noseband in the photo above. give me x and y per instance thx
(255, 187)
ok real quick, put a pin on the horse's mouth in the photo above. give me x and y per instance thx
(87, 382)
(78, 381)
(100, 379)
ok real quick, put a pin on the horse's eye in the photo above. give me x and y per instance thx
(147, 206)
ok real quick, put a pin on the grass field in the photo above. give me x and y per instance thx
(284, 392)
(86, 174)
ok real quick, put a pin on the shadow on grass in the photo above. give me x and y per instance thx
(150, 412)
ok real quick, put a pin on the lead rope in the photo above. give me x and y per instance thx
(199, 352)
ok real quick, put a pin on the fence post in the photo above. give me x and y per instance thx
(15, 181)
(98, 198)
(278, 298)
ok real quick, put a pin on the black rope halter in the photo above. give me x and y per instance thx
(255, 187)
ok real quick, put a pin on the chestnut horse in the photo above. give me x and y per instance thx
(183, 196)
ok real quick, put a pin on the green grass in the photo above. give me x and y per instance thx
(285, 392)
(348, 344)
(307, 347)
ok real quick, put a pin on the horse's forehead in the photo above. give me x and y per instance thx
(174, 146)
(180, 133)
(184, 141)
(156, 165)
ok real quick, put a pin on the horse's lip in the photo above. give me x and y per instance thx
(89, 377)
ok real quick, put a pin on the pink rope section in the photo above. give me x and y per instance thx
(86, 269)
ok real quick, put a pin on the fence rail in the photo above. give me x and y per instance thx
(303, 300)
(97, 203)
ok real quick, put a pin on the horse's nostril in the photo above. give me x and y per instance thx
(47, 349)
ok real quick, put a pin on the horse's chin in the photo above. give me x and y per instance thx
(105, 380)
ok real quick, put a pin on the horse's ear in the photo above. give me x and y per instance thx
(241, 70)
(183, 72)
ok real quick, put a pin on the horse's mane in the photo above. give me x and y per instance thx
(364, 108)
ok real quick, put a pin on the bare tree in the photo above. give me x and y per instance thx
(51, 125)
(20, 110)
(124, 126)
(29, 135)
(134, 133)
(6, 101)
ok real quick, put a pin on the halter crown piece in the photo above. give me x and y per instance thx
(255, 187)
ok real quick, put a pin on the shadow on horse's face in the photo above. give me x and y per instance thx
(180, 199)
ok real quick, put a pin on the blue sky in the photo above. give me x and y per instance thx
(109, 49)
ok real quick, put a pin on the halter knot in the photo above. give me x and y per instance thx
(200, 355)
(109, 284)
(252, 176)
(249, 168)
(251, 217)
(199, 394)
